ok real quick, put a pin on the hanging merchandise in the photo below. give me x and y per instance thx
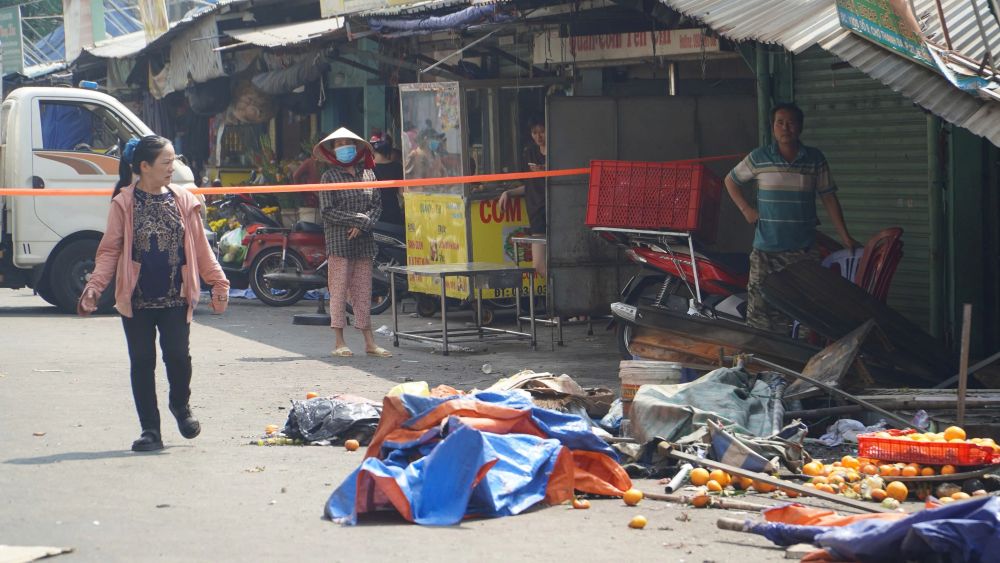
(209, 98)
(287, 80)
(249, 106)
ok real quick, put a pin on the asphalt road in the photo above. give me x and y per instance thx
(67, 477)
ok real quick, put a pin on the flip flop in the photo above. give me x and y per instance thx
(343, 352)
(380, 352)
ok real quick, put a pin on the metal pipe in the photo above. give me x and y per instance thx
(898, 420)
(678, 480)
(944, 26)
(935, 207)
(459, 52)
(762, 68)
(986, 41)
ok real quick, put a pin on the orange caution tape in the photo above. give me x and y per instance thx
(482, 178)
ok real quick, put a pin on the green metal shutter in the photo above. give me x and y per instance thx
(876, 143)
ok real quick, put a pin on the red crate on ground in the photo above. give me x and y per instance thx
(901, 448)
(676, 196)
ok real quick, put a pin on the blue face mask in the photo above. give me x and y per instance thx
(346, 153)
(434, 145)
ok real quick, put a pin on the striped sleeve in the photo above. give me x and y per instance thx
(824, 179)
(743, 173)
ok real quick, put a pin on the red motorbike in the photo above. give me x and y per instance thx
(272, 248)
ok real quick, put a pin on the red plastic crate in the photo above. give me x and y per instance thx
(899, 448)
(677, 196)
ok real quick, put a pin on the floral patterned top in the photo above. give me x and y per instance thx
(158, 245)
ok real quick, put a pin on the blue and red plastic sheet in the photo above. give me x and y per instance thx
(437, 460)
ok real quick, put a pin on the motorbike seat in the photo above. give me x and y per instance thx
(307, 227)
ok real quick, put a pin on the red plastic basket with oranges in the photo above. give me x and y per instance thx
(900, 445)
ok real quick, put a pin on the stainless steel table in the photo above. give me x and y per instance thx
(475, 271)
(549, 319)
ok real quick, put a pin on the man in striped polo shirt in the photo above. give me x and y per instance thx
(788, 176)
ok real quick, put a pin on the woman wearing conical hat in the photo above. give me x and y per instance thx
(348, 219)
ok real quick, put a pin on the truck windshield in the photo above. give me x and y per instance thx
(84, 127)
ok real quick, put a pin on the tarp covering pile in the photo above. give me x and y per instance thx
(438, 460)
(742, 402)
(966, 531)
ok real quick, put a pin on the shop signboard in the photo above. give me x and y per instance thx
(436, 234)
(552, 49)
(885, 22)
(11, 40)
(493, 225)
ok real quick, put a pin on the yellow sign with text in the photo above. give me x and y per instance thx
(493, 226)
(436, 234)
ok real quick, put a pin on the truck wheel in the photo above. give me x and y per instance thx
(70, 269)
(270, 261)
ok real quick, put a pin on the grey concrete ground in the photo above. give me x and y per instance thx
(67, 477)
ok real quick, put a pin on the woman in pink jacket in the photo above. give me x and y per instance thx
(155, 249)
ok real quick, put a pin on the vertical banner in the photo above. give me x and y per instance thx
(154, 18)
(11, 40)
(83, 25)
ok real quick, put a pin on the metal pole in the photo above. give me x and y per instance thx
(458, 52)
(944, 26)
(935, 206)
(963, 362)
(986, 41)
(900, 421)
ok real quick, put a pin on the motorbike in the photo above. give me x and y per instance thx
(295, 281)
(667, 279)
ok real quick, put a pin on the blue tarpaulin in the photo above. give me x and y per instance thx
(442, 459)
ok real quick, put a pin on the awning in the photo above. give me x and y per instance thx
(285, 35)
(800, 25)
(119, 47)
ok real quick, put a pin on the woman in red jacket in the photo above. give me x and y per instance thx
(155, 248)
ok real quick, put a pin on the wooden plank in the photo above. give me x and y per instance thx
(831, 364)
(963, 363)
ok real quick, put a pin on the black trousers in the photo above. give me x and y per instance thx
(140, 333)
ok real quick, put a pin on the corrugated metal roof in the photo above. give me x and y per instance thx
(799, 24)
(284, 35)
(419, 7)
(119, 47)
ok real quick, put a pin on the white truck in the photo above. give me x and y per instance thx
(60, 138)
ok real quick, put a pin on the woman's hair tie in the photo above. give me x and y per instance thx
(130, 149)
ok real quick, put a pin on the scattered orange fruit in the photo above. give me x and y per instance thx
(813, 468)
(713, 485)
(850, 462)
(954, 433)
(352, 445)
(927, 471)
(960, 496)
(790, 493)
(632, 497)
(743, 483)
(699, 476)
(763, 487)
(946, 500)
(869, 469)
(878, 495)
(825, 488)
(897, 490)
(721, 476)
(638, 522)
(819, 480)
(581, 503)
(312, 395)
(271, 429)
(909, 471)
(701, 501)
(947, 470)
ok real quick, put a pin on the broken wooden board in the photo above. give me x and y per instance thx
(832, 306)
(27, 553)
(704, 337)
(831, 364)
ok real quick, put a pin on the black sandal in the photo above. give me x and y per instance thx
(148, 442)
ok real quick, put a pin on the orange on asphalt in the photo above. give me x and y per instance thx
(813, 468)
(699, 476)
(581, 504)
(312, 395)
(721, 476)
(638, 522)
(714, 485)
(632, 497)
(352, 445)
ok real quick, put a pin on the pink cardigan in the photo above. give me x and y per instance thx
(114, 254)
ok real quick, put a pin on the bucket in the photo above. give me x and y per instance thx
(636, 373)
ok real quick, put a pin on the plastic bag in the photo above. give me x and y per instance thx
(332, 419)
(231, 247)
